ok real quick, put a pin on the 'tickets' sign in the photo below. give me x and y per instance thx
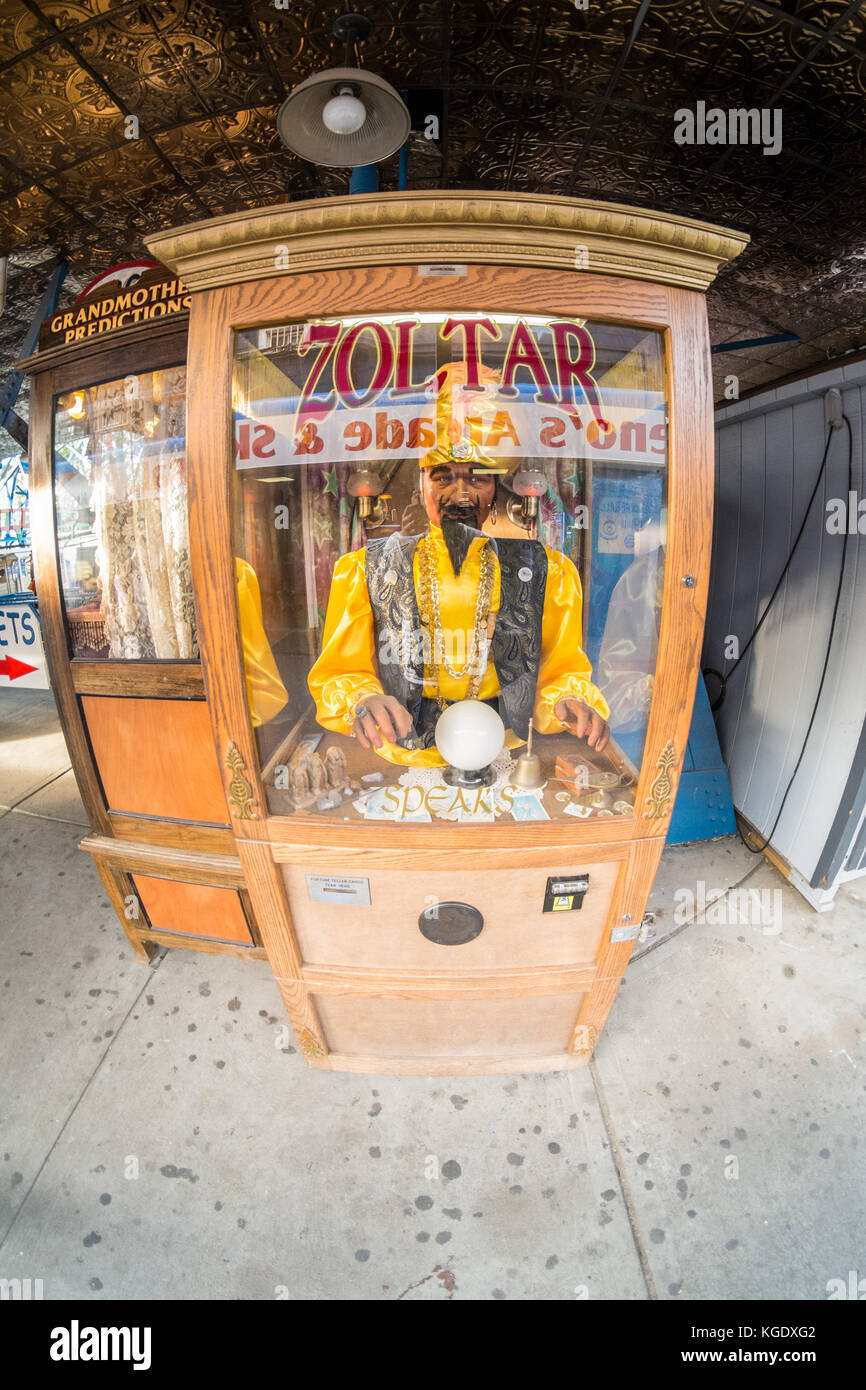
(22, 656)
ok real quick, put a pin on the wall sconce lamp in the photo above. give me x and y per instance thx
(529, 484)
(366, 487)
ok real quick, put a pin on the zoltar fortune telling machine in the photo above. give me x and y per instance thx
(448, 542)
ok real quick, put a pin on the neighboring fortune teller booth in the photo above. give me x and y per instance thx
(373, 611)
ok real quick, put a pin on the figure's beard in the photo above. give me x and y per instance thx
(458, 527)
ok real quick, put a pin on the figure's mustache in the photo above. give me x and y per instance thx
(459, 511)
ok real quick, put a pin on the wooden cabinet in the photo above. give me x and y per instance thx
(114, 586)
(316, 341)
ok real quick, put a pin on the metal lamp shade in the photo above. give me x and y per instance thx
(302, 129)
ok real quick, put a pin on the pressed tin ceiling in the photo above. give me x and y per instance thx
(535, 97)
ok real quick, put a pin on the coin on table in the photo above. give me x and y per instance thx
(602, 779)
(604, 812)
(563, 796)
(624, 808)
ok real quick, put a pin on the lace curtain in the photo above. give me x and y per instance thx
(139, 496)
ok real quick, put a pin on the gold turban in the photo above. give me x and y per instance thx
(459, 435)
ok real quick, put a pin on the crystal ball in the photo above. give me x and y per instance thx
(469, 735)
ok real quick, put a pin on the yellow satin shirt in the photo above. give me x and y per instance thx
(345, 672)
(266, 693)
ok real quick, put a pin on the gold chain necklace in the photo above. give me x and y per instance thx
(431, 616)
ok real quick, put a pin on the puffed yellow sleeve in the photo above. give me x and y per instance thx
(266, 694)
(564, 670)
(345, 671)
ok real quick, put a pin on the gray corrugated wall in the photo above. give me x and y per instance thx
(768, 452)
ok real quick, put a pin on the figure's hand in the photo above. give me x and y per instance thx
(414, 520)
(583, 722)
(379, 715)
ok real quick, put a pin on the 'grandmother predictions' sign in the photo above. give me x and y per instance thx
(360, 400)
(118, 299)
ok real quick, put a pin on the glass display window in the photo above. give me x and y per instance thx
(120, 498)
(449, 539)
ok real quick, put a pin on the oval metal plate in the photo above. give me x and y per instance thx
(450, 924)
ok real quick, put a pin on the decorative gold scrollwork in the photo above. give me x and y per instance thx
(526, 229)
(240, 790)
(662, 786)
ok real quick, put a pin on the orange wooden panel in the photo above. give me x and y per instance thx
(193, 908)
(156, 757)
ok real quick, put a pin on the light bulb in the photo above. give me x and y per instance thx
(344, 114)
(529, 482)
(364, 484)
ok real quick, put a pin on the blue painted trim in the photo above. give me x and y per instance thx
(703, 809)
(364, 179)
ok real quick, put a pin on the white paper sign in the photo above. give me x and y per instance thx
(514, 429)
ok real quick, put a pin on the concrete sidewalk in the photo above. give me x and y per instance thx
(161, 1139)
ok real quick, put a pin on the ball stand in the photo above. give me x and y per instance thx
(468, 777)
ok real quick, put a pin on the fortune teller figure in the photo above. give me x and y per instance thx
(444, 612)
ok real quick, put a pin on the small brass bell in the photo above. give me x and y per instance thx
(527, 772)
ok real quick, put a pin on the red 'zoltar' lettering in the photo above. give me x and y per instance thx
(579, 369)
(343, 364)
(523, 351)
(472, 347)
(324, 336)
(571, 381)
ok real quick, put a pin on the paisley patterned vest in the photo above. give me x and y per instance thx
(515, 649)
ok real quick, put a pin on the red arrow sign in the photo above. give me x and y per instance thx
(13, 669)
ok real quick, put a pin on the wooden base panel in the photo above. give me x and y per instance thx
(454, 1029)
(430, 984)
(437, 1066)
(203, 945)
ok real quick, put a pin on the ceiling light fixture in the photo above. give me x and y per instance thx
(346, 117)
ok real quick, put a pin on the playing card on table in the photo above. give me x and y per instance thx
(527, 806)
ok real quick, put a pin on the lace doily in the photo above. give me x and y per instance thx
(429, 777)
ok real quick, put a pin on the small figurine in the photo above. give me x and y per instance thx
(335, 767)
(315, 769)
(300, 787)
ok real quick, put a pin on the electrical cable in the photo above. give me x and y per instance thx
(759, 849)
